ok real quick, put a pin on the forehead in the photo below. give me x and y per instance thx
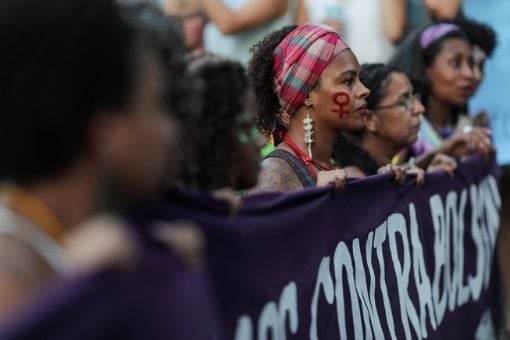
(455, 46)
(397, 85)
(398, 82)
(345, 61)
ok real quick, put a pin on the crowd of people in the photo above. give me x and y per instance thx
(107, 104)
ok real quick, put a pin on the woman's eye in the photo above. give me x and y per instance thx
(456, 63)
(349, 82)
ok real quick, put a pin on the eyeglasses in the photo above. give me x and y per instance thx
(408, 103)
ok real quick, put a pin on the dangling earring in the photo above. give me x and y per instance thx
(308, 123)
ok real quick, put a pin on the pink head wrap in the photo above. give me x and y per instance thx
(300, 59)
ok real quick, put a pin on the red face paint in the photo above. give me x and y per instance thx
(341, 99)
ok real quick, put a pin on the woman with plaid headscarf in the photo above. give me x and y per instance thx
(306, 80)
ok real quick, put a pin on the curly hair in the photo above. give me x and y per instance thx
(212, 134)
(261, 76)
(479, 34)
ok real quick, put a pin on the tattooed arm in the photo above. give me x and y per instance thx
(276, 175)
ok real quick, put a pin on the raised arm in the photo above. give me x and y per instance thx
(441, 9)
(394, 18)
(301, 13)
(253, 14)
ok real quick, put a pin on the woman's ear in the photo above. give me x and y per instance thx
(309, 100)
(370, 122)
(285, 118)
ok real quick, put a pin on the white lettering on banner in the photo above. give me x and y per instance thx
(353, 275)
(380, 237)
(397, 224)
(269, 322)
(273, 318)
(463, 292)
(476, 281)
(421, 277)
(288, 307)
(452, 220)
(244, 329)
(368, 301)
(342, 259)
(325, 281)
(441, 252)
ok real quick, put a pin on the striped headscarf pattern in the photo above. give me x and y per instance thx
(300, 59)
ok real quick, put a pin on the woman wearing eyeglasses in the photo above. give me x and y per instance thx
(391, 125)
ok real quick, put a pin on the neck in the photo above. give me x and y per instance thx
(69, 196)
(380, 150)
(439, 113)
(323, 138)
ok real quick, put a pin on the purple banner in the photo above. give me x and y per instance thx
(372, 261)
(154, 299)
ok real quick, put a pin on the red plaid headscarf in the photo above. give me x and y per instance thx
(300, 59)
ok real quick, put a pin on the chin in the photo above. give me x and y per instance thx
(358, 126)
(460, 101)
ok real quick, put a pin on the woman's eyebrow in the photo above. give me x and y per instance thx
(348, 72)
(406, 93)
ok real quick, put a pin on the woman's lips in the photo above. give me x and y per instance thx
(468, 91)
(362, 109)
(415, 128)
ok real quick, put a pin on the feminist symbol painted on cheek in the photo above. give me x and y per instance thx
(342, 100)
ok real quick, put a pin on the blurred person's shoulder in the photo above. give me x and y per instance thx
(23, 270)
(25, 246)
